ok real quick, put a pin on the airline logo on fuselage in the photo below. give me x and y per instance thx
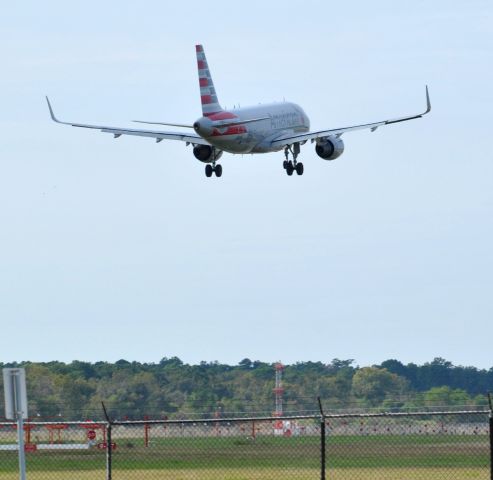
(284, 120)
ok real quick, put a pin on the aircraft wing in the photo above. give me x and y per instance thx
(117, 132)
(290, 139)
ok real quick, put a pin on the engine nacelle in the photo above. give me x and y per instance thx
(206, 153)
(330, 148)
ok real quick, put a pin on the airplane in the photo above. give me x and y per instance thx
(250, 130)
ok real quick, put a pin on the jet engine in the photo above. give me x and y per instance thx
(206, 153)
(329, 148)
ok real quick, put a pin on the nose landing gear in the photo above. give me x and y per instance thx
(292, 165)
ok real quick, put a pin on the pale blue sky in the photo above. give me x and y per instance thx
(124, 249)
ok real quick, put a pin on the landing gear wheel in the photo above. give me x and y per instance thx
(292, 165)
(218, 170)
(208, 170)
(290, 168)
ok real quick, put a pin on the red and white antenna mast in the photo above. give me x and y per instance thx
(278, 389)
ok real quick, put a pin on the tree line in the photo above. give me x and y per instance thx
(174, 389)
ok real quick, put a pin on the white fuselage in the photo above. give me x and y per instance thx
(278, 120)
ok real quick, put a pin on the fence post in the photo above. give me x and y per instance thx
(147, 427)
(322, 441)
(109, 449)
(491, 436)
(322, 448)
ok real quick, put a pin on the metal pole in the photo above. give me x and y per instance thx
(491, 446)
(491, 436)
(322, 440)
(146, 431)
(322, 449)
(20, 443)
(20, 426)
(109, 451)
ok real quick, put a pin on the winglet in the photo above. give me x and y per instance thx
(51, 111)
(428, 103)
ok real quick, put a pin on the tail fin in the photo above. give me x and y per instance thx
(208, 97)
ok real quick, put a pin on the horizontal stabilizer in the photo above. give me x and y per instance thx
(238, 122)
(164, 123)
(217, 124)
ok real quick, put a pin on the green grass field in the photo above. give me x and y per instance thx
(333, 474)
(267, 458)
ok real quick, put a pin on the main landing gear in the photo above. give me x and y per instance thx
(210, 169)
(292, 165)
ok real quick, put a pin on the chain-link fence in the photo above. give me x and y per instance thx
(55, 450)
(431, 446)
(229, 449)
(404, 446)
